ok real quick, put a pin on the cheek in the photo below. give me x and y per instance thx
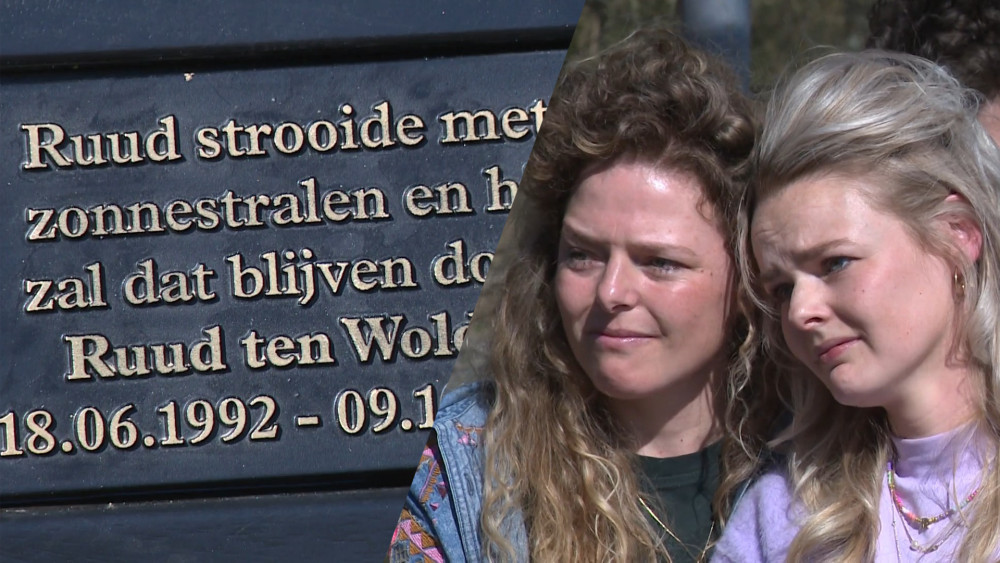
(703, 307)
(793, 340)
(570, 292)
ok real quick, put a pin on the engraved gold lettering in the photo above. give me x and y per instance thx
(513, 123)
(53, 136)
(285, 132)
(71, 292)
(467, 130)
(311, 204)
(451, 198)
(92, 355)
(86, 350)
(201, 416)
(208, 143)
(537, 110)
(101, 213)
(45, 228)
(419, 201)
(161, 144)
(283, 351)
(130, 362)
(10, 441)
(38, 295)
(350, 408)
(207, 354)
(152, 225)
(348, 126)
(131, 154)
(73, 222)
(383, 404)
(325, 141)
(374, 332)
(452, 268)
(429, 408)
(232, 143)
(285, 276)
(287, 211)
(46, 145)
(406, 124)
(175, 223)
(237, 419)
(208, 214)
(266, 428)
(254, 131)
(235, 211)
(383, 333)
(501, 192)
(381, 135)
(88, 155)
(147, 287)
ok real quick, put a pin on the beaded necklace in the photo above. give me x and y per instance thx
(921, 522)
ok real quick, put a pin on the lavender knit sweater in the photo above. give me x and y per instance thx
(931, 474)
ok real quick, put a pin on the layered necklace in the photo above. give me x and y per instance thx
(703, 555)
(922, 523)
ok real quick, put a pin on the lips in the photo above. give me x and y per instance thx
(620, 333)
(618, 337)
(832, 349)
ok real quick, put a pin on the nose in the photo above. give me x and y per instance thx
(618, 287)
(807, 306)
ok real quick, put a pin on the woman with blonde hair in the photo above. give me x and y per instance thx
(870, 239)
(597, 436)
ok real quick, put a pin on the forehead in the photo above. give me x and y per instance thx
(815, 210)
(640, 189)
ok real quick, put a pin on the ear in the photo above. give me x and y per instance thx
(968, 236)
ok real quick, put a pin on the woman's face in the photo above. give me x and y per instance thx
(862, 305)
(643, 280)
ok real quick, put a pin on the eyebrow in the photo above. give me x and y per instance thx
(807, 254)
(650, 247)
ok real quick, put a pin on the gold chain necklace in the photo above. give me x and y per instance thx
(914, 544)
(895, 538)
(704, 550)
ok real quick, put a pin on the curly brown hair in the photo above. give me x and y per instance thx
(554, 453)
(962, 35)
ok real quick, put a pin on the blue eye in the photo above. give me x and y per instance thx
(664, 264)
(836, 264)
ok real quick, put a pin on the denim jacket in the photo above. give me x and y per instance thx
(440, 518)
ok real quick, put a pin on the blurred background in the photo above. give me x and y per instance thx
(780, 29)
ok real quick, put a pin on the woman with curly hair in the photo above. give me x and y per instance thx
(961, 35)
(597, 436)
(870, 240)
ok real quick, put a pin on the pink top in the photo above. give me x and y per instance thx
(933, 474)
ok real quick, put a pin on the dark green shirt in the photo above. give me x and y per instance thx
(682, 499)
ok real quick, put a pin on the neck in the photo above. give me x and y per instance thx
(676, 421)
(935, 406)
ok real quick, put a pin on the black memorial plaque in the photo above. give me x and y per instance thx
(224, 275)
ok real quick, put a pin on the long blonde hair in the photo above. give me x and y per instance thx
(555, 456)
(909, 125)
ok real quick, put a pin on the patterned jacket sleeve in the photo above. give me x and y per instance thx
(426, 523)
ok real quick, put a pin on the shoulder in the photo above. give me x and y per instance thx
(441, 513)
(464, 409)
(764, 522)
(426, 530)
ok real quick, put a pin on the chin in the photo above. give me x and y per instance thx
(858, 398)
(620, 390)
